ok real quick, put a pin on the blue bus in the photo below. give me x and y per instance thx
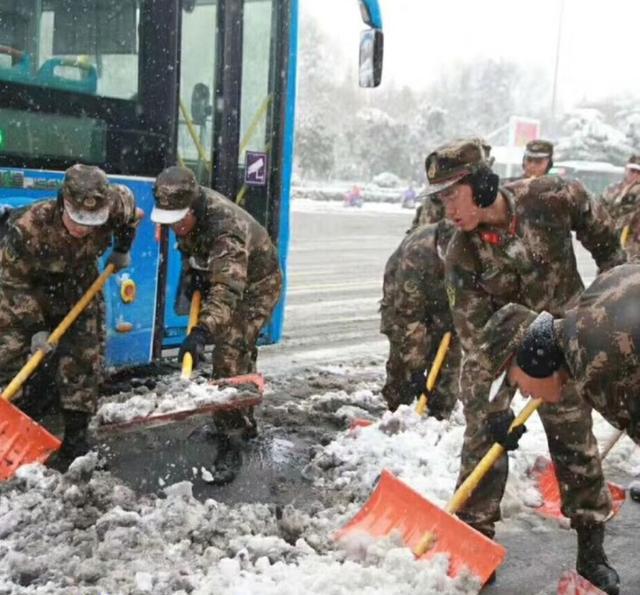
(136, 85)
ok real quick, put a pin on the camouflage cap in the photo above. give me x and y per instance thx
(453, 161)
(539, 149)
(502, 336)
(85, 190)
(174, 192)
(634, 162)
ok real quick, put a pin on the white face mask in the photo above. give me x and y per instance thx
(496, 385)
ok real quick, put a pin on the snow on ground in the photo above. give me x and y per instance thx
(307, 205)
(85, 532)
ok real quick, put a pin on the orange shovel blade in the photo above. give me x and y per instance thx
(22, 440)
(571, 583)
(395, 507)
(545, 475)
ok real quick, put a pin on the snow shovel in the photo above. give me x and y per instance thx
(571, 583)
(423, 401)
(22, 440)
(250, 389)
(428, 529)
(194, 313)
(545, 475)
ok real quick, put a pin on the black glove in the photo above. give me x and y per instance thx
(418, 384)
(120, 260)
(411, 389)
(194, 344)
(194, 282)
(499, 424)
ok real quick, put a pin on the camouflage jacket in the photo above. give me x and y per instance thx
(600, 339)
(621, 201)
(38, 254)
(428, 212)
(532, 262)
(415, 312)
(231, 251)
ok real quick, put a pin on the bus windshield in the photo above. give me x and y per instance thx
(83, 46)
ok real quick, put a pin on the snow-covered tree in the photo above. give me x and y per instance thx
(587, 136)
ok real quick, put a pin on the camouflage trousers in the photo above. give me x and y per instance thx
(573, 449)
(236, 351)
(76, 365)
(399, 374)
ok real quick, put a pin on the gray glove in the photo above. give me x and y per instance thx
(120, 260)
(40, 341)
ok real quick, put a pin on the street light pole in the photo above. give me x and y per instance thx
(557, 64)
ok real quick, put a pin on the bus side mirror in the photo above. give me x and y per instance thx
(371, 51)
(200, 106)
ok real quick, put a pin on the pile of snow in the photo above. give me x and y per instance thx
(424, 453)
(84, 531)
(167, 397)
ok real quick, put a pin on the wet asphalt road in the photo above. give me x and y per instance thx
(335, 280)
(335, 272)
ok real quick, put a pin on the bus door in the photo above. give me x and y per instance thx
(236, 121)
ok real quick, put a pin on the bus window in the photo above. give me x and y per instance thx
(256, 99)
(197, 66)
(83, 46)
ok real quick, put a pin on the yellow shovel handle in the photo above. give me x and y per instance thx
(54, 338)
(463, 493)
(194, 314)
(624, 236)
(433, 373)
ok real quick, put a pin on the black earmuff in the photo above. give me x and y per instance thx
(484, 183)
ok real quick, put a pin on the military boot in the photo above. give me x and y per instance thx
(228, 458)
(74, 443)
(592, 562)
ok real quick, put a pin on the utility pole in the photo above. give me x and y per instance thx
(554, 92)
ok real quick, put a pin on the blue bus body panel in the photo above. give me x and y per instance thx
(374, 10)
(123, 348)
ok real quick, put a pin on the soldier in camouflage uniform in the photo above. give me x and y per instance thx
(622, 200)
(514, 244)
(230, 257)
(414, 316)
(595, 345)
(538, 158)
(48, 259)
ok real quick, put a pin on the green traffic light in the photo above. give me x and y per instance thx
(1, 138)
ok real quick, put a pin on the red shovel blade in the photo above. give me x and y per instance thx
(395, 508)
(545, 475)
(571, 583)
(22, 440)
(359, 422)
